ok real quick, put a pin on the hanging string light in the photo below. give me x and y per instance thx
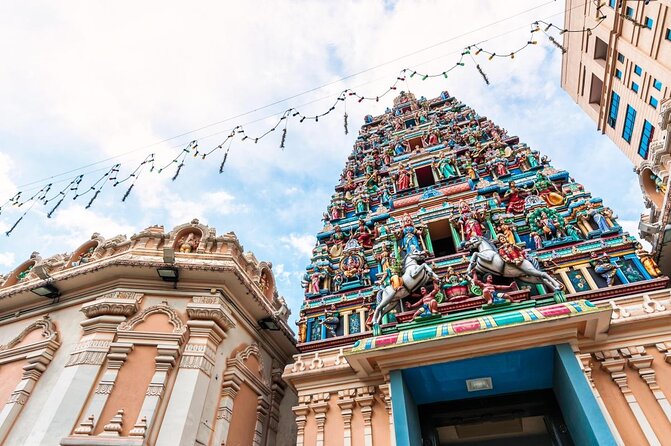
(193, 148)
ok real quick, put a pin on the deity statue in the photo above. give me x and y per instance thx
(410, 241)
(315, 281)
(302, 327)
(547, 190)
(648, 262)
(444, 166)
(455, 286)
(364, 235)
(427, 304)
(403, 178)
(510, 252)
(361, 202)
(469, 167)
(490, 291)
(338, 238)
(469, 222)
(604, 268)
(549, 226)
(536, 240)
(331, 320)
(84, 257)
(188, 243)
(499, 167)
(599, 215)
(659, 184)
(571, 230)
(515, 198)
(507, 230)
(21, 275)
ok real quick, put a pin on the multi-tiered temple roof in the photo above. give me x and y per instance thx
(428, 175)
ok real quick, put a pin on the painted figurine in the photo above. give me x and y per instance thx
(427, 304)
(490, 291)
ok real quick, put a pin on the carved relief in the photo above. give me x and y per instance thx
(173, 318)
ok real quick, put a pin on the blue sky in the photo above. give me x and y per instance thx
(89, 81)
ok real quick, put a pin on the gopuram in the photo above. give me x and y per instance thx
(465, 291)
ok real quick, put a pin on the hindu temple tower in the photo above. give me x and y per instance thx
(463, 290)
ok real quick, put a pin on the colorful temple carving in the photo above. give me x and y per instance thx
(465, 291)
(433, 177)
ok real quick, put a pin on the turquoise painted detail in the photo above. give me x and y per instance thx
(581, 411)
(406, 418)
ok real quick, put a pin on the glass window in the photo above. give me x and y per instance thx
(630, 11)
(629, 121)
(637, 70)
(668, 33)
(620, 57)
(646, 137)
(634, 87)
(648, 22)
(657, 85)
(653, 101)
(612, 3)
(614, 106)
(618, 74)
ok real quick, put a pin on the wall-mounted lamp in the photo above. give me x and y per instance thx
(478, 384)
(168, 274)
(268, 323)
(47, 290)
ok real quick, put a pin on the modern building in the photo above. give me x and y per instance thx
(176, 338)
(617, 67)
(547, 324)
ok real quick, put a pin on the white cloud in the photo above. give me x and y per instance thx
(7, 258)
(90, 81)
(301, 243)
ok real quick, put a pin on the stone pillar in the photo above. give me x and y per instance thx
(586, 364)
(229, 391)
(261, 412)
(386, 395)
(277, 390)
(346, 404)
(165, 360)
(301, 411)
(37, 363)
(69, 394)
(640, 361)
(365, 399)
(614, 364)
(208, 322)
(115, 360)
(320, 405)
(345, 321)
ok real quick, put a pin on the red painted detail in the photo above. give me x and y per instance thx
(462, 327)
(389, 339)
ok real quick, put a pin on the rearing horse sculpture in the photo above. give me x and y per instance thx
(415, 275)
(487, 260)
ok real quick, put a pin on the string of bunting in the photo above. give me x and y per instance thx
(110, 175)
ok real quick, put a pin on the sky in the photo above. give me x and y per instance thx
(93, 83)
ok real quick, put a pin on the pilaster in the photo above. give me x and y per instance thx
(365, 398)
(346, 404)
(208, 322)
(67, 398)
(613, 363)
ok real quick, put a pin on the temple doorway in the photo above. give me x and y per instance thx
(523, 419)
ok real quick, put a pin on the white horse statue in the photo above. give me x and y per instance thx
(415, 275)
(487, 260)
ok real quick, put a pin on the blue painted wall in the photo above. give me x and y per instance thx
(515, 371)
(581, 411)
(404, 408)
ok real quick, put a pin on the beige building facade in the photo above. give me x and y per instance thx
(163, 338)
(617, 67)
